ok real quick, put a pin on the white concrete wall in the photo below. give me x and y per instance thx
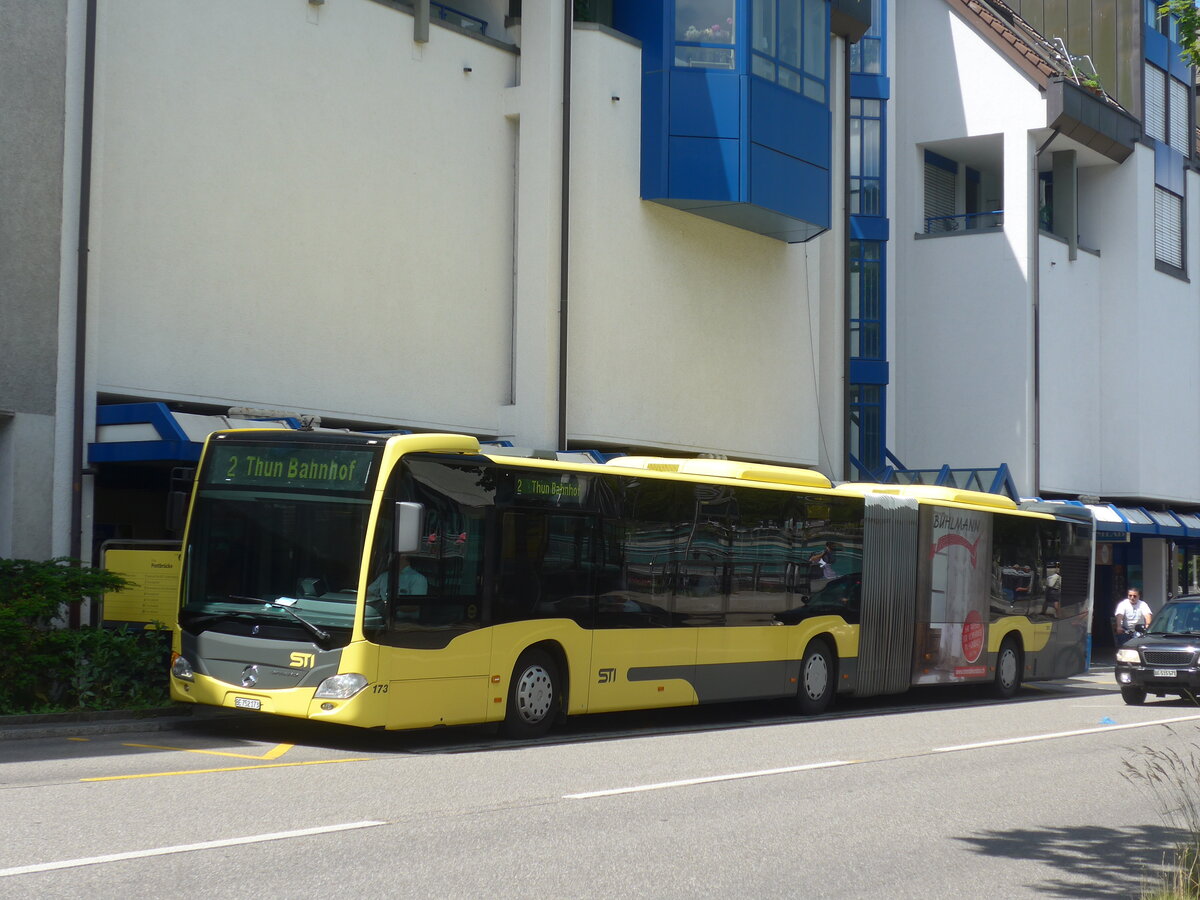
(310, 212)
(1072, 371)
(299, 207)
(963, 337)
(684, 333)
(1148, 331)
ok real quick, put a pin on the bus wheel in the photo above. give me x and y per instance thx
(533, 696)
(1008, 670)
(1132, 695)
(816, 679)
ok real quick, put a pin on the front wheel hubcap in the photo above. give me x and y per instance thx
(816, 676)
(535, 694)
(1008, 668)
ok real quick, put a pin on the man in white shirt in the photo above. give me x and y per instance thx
(1131, 612)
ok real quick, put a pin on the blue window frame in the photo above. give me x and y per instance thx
(1167, 25)
(789, 45)
(867, 57)
(866, 300)
(866, 157)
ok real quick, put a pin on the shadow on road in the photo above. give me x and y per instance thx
(250, 728)
(1096, 861)
(229, 730)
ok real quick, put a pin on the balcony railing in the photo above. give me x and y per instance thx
(455, 17)
(964, 222)
(996, 480)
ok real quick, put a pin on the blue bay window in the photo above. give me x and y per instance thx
(736, 120)
(790, 45)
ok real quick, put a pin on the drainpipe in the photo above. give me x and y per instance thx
(85, 192)
(847, 469)
(565, 228)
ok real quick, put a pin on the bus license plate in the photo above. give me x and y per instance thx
(247, 703)
(1164, 673)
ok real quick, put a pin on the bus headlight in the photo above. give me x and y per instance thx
(1128, 656)
(182, 669)
(341, 687)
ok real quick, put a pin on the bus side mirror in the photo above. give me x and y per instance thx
(408, 522)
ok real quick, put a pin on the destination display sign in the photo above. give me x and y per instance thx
(282, 466)
(554, 490)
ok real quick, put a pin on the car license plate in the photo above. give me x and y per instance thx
(1164, 673)
(247, 703)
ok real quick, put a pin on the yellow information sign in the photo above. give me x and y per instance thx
(153, 594)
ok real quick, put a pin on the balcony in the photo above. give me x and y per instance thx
(982, 221)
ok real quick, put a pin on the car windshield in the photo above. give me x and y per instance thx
(275, 554)
(1177, 618)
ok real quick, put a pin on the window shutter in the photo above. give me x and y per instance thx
(1168, 228)
(1156, 99)
(1177, 102)
(939, 199)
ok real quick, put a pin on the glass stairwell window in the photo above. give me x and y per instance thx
(866, 56)
(866, 157)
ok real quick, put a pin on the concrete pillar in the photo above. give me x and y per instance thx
(532, 417)
(1155, 560)
(1065, 206)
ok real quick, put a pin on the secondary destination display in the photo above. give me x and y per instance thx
(324, 469)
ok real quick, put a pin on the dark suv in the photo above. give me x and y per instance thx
(1163, 659)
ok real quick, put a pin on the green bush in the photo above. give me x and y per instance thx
(46, 667)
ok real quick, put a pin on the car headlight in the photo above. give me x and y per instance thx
(182, 669)
(341, 687)
(1128, 656)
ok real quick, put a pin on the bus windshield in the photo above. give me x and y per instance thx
(276, 540)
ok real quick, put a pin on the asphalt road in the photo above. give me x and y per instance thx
(935, 794)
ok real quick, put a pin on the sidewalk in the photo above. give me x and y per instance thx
(116, 721)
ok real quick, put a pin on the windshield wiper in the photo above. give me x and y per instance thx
(319, 633)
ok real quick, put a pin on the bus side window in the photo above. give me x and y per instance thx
(545, 566)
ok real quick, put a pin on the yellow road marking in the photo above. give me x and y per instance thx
(314, 762)
(274, 753)
(78, 739)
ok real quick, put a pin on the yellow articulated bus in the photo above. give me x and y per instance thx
(412, 581)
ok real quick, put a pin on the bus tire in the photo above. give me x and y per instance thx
(817, 679)
(1132, 695)
(534, 696)
(1009, 666)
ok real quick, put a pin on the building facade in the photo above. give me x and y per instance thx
(616, 234)
(838, 234)
(1042, 309)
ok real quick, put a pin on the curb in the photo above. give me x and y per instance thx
(117, 721)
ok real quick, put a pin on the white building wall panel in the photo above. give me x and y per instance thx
(963, 354)
(1072, 371)
(1149, 327)
(685, 333)
(952, 83)
(963, 304)
(297, 206)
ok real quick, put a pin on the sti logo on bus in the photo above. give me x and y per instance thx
(303, 660)
(607, 676)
